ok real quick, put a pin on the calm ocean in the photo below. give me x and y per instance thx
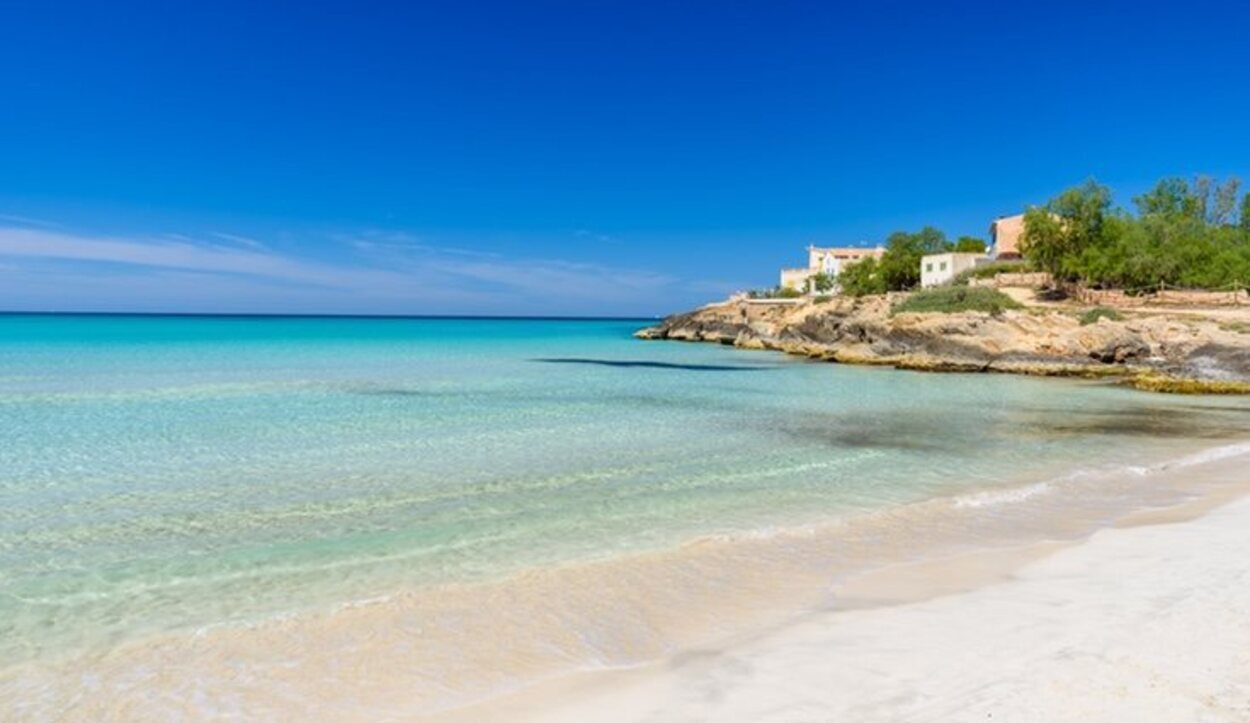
(165, 476)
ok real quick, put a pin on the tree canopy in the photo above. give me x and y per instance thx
(970, 245)
(821, 282)
(862, 278)
(1183, 234)
(899, 267)
(1187, 234)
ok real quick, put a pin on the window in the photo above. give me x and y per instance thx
(928, 268)
(943, 266)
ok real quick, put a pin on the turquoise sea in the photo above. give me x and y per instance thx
(164, 476)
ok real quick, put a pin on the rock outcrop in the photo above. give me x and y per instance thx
(1154, 352)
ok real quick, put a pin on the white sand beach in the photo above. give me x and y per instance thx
(1148, 622)
(1090, 612)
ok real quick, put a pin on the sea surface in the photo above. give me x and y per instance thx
(174, 482)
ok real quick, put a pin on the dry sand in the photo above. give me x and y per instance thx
(1145, 622)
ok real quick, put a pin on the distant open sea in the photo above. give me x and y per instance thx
(236, 498)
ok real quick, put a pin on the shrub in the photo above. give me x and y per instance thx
(862, 279)
(985, 271)
(1184, 235)
(969, 245)
(900, 265)
(821, 282)
(954, 299)
(777, 292)
(1100, 312)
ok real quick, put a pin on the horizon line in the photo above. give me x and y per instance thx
(261, 315)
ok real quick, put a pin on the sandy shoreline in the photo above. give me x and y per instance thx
(880, 616)
(1148, 621)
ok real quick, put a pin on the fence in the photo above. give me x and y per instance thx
(1033, 279)
(1163, 295)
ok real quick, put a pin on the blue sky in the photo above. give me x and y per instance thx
(589, 157)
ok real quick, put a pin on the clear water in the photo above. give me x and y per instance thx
(168, 473)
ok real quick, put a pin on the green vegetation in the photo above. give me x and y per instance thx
(863, 278)
(969, 245)
(821, 282)
(1156, 382)
(1100, 312)
(1182, 235)
(898, 268)
(985, 271)
(777, 292)
(954, 299)
(785, 292)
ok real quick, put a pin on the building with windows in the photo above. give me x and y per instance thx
(938, 269)
(827, 260)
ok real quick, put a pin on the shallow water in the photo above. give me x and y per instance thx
(164, 476)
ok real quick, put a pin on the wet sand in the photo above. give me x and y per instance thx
(1148, 620)
(937, 610)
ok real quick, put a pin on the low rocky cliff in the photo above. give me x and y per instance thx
(1159, 352)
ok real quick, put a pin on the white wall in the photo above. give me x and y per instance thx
(941, 269)
(795, 278)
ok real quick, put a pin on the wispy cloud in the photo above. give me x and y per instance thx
(26, 221)
(587, 281)
(553, 277)
(713, 288)
(241, 240)
(401, 243)
(585, 233)
(394, 271)
(165, 253)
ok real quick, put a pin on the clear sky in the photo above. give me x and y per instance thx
(583, 157)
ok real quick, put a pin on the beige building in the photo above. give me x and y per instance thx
(1005, 235)
(827, 260)
(795, 279)
(938, 269)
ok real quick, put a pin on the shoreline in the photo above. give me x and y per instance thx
(871, 602)
(711, 594)
(581, 694)
(1159, 353)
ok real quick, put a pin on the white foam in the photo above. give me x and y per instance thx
(991, 498)
(1214, 454)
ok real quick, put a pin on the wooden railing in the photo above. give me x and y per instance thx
(1034, 279)
(1163, 295)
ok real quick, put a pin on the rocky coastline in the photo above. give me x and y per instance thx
(1156, 352)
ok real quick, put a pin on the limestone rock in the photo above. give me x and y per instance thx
(1034, 341)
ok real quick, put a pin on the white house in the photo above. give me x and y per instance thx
(938, 269)
(829, 261)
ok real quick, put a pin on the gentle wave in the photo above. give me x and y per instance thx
(997, 497)
(430, 649)
(1012, 495)
(387, 502)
